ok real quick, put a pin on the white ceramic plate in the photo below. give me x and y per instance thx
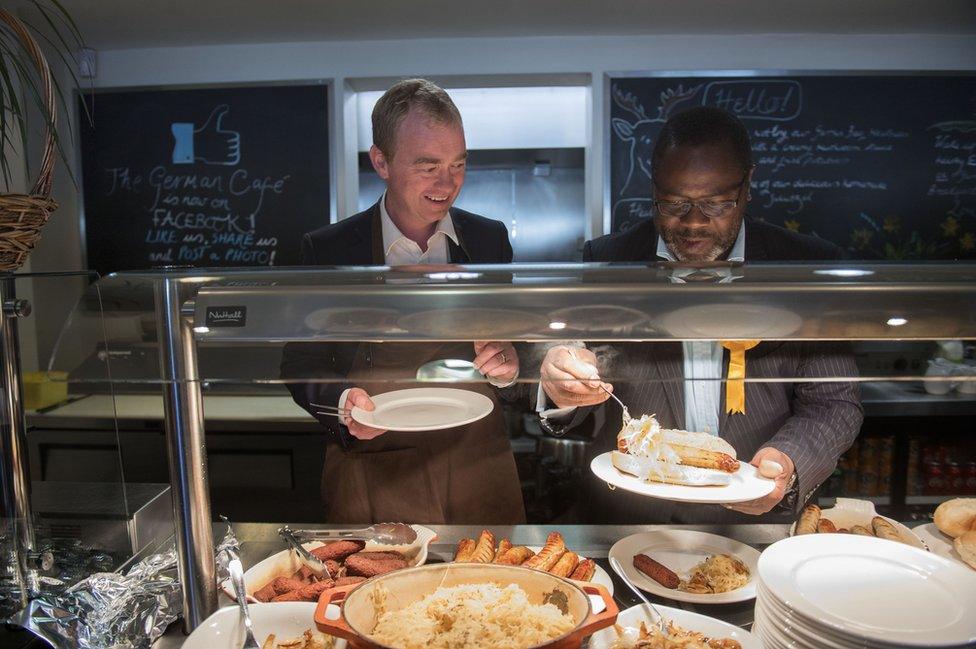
(286, 563)
(351, 320)
(860, 588)
(599, 317)
(711, 627)
(474, 324)
(727, 321)
(225, 630)
(682, 550)
(746, 485)
(848, 512)
(938, 542)
(422, 409)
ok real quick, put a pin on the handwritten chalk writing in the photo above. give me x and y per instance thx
(808, 160)
(241, 185)
(196, 221)
(193, 238)
(161, 257)
(935, 190)
(248, 256)
(123, 179)
(953, 143)
(190, 254)
(768, 99)
(239, 239)
(161, 236)
(268, 241)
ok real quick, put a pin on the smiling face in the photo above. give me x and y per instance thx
(425, 171)
(707, 174)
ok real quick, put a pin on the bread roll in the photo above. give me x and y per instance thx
(956, 517)
(809, 520)
(965, 545)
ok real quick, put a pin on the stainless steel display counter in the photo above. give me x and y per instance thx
(260, 540)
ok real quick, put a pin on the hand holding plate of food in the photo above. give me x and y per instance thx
(678, 465)
(689, 566)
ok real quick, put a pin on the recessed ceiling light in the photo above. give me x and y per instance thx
(843, 272)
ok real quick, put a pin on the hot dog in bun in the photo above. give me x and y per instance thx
(649, 452)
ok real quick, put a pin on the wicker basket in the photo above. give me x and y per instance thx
(23, 215)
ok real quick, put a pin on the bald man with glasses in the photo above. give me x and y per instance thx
(702, 168)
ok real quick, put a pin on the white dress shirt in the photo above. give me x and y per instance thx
(400, 250)
(703, 358)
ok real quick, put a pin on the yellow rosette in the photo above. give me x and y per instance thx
(735, 386)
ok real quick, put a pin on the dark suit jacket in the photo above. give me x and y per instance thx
(351, 242)
(358, 241)
(764, 242)
(812, 422)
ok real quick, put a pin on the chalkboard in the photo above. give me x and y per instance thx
(884, 166)
(204, 177)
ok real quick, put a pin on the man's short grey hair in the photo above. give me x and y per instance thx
(396, 102)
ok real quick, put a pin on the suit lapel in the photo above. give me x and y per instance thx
(374, 235)
(457, 253)
(755, 244)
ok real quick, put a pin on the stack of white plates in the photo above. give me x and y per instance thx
(842, 590)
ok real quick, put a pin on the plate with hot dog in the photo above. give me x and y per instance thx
(678, 465)
(689, 566)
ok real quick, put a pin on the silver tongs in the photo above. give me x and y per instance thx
(381, 533)
(308, 559)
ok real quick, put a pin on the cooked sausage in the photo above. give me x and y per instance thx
(885, 530)
(584, 571)
(809, 517)
(826, 526)
(465, 548)
(503, 546)
(484, 551)
(566, 565)
(343, 581)
(265, 593)
(516, 556)
(548, 556)
(337, 550)
(861, 530)
(659, 573)
(370, 564)
(311, 592)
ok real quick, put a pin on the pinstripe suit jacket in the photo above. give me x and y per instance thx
(812, 422)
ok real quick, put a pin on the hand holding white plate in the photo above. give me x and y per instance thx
(421, 409)
(746, 485)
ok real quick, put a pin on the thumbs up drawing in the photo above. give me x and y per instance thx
(209, 144)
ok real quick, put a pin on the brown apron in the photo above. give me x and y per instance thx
(463, 475)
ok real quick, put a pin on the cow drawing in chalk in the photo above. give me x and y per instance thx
(642, 133)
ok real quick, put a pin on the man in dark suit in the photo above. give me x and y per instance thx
(464, 474)
(702, 167)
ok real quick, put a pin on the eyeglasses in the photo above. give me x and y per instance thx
(711, 209)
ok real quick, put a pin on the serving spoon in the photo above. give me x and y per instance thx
(661, 622)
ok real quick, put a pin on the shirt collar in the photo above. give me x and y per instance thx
(392, 234)
(738, 252)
